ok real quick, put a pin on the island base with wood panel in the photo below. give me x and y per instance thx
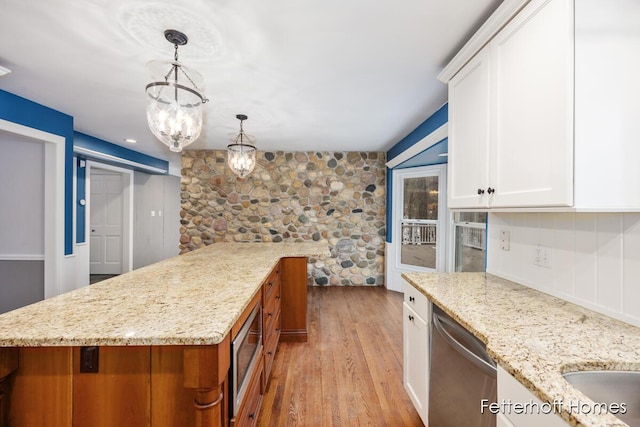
(155, 385)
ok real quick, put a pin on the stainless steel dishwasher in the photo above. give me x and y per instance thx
(462, 374)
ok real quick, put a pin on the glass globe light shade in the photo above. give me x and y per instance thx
(241, 158)
(174, 110)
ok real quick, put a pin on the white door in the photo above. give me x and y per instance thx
(416, 360)
(105, 225)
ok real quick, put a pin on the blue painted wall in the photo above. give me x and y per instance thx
(28, 113)
(425, 158)
(436, 120)
(81, 193)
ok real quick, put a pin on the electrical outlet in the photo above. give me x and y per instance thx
(505, 240)
(89, 357)
(542, 256)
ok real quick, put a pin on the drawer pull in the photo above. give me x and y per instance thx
(270, 284)
(270, 314)
(411, 318)
(252, 416)
(412, 299)
(269, 353)
(277, 296)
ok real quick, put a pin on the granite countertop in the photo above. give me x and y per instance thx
(534, 336)
(191, 299)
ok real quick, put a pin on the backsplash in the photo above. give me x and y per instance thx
(333, 197)
(591, 259)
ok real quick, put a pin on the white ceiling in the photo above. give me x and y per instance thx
(334, 75)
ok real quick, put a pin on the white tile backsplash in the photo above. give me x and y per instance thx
(595, 257)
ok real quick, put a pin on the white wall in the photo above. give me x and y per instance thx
(21, 196)
(595, 257)
(156, 233)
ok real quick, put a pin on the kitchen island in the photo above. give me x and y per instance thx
(536, 337)
(160, 336)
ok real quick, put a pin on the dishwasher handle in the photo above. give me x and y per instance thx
(439, 324)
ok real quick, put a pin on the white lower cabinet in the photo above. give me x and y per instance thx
(416, 350)
(511, 391)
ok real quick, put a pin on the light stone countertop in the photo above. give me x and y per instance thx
(534, 336)
(190, 299)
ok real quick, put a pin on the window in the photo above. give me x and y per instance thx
(470, 232)
(419, 216)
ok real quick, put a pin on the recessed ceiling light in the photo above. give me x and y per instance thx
(443, 154)
(130, 140)
(4, 71)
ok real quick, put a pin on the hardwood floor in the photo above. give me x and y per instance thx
(350, 371)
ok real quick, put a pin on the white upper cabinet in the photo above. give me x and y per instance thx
(529, 128)
(469, 121)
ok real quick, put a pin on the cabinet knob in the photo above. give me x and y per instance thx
(491, 190)
(277, 296)
(269, 314)
(411, 318)
(412, 299)
(270, 284)
(480, 191)
(252, 416)
(269, 353)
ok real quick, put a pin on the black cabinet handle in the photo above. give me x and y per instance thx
(480, 191)
(270, 284)
(411, 318)
(277, 296)
(252, 416)
(269, 314)
(269, 353)
(491, 190)
(412, 299)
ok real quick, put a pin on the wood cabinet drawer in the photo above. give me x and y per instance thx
(248, 413)
(270, 346)
(417, 301)
(271, 286)
(270, 311)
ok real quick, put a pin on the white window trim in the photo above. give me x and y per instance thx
(444, 217)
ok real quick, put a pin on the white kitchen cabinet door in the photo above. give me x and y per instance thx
(510, 390)
(469, 120)
(416, 360)
(531, 157)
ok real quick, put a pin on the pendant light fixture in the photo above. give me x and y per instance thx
(175, 98)
(241, 153)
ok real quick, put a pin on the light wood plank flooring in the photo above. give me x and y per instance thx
(350, 371)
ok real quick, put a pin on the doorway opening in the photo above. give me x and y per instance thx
(110, 220)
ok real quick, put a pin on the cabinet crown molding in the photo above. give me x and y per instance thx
(498, 19)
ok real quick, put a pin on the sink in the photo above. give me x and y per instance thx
(611, 387)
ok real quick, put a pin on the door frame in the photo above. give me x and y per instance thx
(443, 217)
(127, 213)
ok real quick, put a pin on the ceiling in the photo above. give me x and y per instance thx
(331, 75)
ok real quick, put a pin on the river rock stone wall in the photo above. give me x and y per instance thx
(333, 197)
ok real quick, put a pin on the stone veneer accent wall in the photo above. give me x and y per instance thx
(334, 197)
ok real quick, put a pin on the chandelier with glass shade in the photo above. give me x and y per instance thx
(175, 98)
(241, 153)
